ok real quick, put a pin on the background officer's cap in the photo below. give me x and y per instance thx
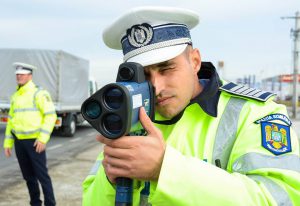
(23, 68)
(150, 35)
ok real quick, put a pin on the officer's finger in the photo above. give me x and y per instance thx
(104, 140)
(42, 148)
(146, 122)
(107, 169)
(38, 148)
(7, 152)
(35, 143)
(99, 137)
(112, 172)
(119, 153)
(122, 142)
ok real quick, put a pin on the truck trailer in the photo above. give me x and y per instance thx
(63, 75)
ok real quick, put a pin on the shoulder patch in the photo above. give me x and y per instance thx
(244, 91)
(276, 137)
(47, 97)
(275, 130)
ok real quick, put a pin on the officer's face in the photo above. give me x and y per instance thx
(175, 82)
(23, 78)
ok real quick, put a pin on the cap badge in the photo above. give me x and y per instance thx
(140, 35)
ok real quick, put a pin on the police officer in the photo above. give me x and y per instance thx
(212, 142)
(31, 120)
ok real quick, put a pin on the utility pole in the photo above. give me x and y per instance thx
(221, 69)
(295, 33)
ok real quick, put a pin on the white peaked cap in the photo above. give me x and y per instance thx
(23, 68)
(150, 35)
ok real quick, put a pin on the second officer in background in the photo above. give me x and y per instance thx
(31, 120)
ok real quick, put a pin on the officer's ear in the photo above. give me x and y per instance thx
(195, 59)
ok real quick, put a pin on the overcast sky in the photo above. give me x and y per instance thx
(248, 35)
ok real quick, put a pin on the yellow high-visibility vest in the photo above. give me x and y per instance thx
(31, 115)
(250, 174)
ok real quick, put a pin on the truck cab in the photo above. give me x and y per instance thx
(67, 123)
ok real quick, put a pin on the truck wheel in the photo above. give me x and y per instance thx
(70, 129)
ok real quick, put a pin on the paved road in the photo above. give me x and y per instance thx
(58, 149)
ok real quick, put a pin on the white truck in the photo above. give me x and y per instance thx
(63, 75)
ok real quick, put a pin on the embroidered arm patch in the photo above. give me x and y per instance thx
(275, 130)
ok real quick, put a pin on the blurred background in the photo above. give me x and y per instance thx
(245, 39)
(251, 42)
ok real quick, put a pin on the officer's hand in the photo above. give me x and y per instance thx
(39, 146)
(7, 152)
(136, 157)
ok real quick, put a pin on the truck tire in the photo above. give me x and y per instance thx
(69, 129)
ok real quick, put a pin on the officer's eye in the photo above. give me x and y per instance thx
(166, 70)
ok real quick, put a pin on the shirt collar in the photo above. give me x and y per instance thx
(209, 97)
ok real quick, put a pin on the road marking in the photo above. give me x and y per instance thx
(54, 147)
(91, 134)
(76, 139)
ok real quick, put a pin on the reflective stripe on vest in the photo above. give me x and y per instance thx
(25, 110)
(254, 161)
(51, 112)
(279, 194)
(95, 167)
(25, 132)
(226, 132)
(34, 96)
(45, 131)
(9, 137)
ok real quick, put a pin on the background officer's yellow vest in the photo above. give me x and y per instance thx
(31, 115)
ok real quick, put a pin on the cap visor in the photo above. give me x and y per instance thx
(158, 55)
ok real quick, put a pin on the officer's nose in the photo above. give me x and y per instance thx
(158, 82)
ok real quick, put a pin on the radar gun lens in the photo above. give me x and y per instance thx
(93, 110)
(113, 98)
(113, 123)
